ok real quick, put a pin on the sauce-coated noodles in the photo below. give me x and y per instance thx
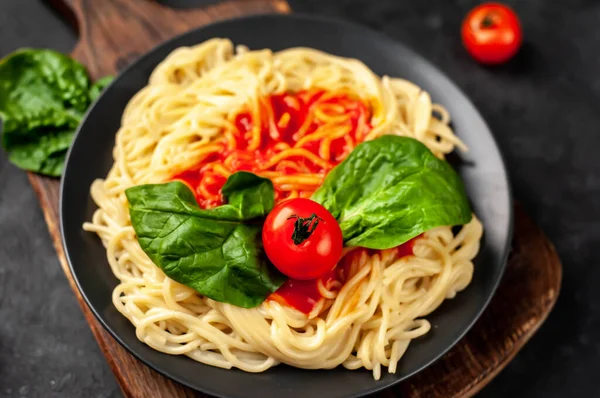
(294, 139)
(209, 111)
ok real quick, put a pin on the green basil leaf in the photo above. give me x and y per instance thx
(217, 251)
(391, 189)
(99, 86)
(252, 195)
(43, 96)
(45, 155)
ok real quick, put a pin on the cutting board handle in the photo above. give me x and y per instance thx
(113, 33)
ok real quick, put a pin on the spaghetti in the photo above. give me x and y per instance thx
(291, 116)
(294, 139)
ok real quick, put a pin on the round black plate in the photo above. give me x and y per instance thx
(482, 170)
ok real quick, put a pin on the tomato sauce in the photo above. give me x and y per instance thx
(407, 248)
(304, 295)
(308, 120)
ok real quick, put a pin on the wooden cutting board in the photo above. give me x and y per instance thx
(113, 33)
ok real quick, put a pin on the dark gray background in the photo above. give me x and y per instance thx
(543, 108)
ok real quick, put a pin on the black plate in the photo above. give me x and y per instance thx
(482, 170)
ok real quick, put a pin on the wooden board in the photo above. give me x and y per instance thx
(115, 32)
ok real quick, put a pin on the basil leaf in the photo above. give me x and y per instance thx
(217, 251)
(252, 195)
(43, 96)
(99, 86)
(391, 189)
(45, 154)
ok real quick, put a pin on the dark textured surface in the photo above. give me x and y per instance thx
(46, 347)
(542, 108)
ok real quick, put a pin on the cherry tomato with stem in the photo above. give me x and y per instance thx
(491, 33)
(302, 239)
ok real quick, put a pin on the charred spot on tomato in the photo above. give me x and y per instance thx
(304, 227)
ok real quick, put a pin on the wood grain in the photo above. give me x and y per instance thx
(113, 33)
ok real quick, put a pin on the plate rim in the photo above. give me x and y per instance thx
(307, 17)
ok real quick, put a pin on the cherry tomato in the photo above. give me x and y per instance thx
(491, 32)
(302, 239)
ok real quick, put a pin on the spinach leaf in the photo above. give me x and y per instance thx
(99, 86)
(43, 96)
(390, 190)
(218, 252)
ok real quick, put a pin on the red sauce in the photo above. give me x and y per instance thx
(304, 295)
(282, 122)
(407, 248)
